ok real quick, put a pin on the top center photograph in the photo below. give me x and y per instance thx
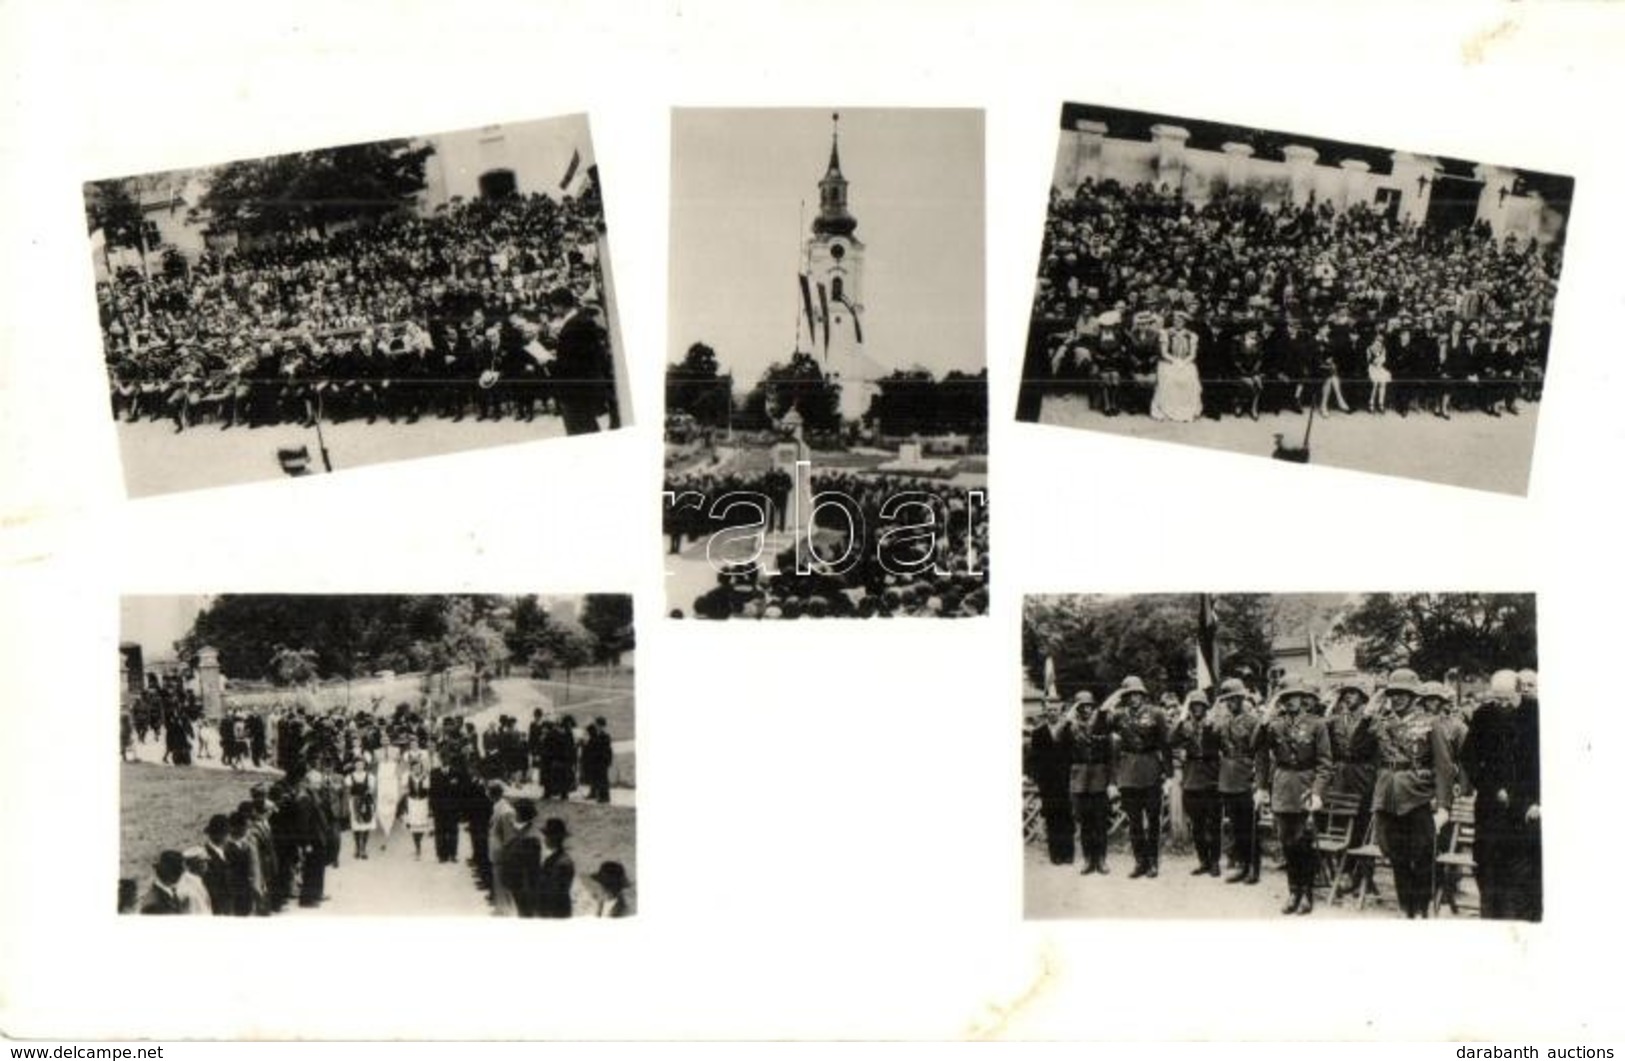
(826, 375)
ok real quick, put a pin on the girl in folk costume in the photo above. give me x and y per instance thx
(361, 799)
(1376, 362)
(387, 781)
(417, 805)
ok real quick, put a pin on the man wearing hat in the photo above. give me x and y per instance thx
(1354, 756)
(1142, 766)
(1506, 810)
(1237, 723)
(1196, 741)
(1051, 750)
(610, 884)
(164, 895)
(1415, 781)
(558, 873)
(1093, 768)
(1294, 766)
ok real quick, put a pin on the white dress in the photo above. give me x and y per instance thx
(389, 788)
(1178, 396)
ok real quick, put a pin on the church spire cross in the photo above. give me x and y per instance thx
(833, 219)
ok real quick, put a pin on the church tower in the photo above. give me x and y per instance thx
(832, 264)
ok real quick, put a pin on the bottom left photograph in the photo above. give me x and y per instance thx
(350, 755)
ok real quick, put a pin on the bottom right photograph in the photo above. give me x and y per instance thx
(1259, 755)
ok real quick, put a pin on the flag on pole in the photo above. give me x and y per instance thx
(823, 305)
(1315, 659)
(857, 325)
(806, 306)
(1050, 691)
(570, 173)
(1207, 640)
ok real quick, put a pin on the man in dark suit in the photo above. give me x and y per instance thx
(597, 753)
(1092, 781)
(583, 375)
(1196, 741)
(1495, 758)
(558, 873)
(1415, 783)
(312, 835)
(215, 873)
(1143, 765)
(256, 738)
(1294, 764)
(1237, 723)
(1049, 763)
(163, 895)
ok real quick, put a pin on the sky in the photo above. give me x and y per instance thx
(156, 623)
(916, 187)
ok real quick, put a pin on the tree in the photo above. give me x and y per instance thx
(313, 189)
(569, 646)
(608, 617)
(111, 206)
(292, 666)
(527, 627)
(797, 384)
(1433, 633)
(696, 387)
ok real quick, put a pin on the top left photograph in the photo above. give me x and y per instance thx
(305, 313)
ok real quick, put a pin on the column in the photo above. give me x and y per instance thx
(210, 687)
(1080, 154)
(1356, 181)
(1300, 165)
(1170, 142)
(1236, 157)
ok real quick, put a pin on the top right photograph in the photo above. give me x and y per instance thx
(1295, 297)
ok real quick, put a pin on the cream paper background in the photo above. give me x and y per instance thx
(828, 812)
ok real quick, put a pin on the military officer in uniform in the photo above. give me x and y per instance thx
(1354, 757)
(1142, 766)
(1294, 767)
(1093, 769)
(1237, 723)
(1415, 776)
(1049, 764)
(1196, 741)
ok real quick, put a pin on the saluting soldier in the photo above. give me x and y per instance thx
(1414, 781)
(1050, 752)
(1294, 766)
(1196, 740)
(1237, 722)
(1142, 766)
(1354, 757)
(1093, 770)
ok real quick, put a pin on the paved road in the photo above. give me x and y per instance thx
(157, 460)
(390, 881)
(1471, 449)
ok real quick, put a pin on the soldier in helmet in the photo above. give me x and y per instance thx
(1142, 767)
(1415, 778)
(1294, 766)
(1237, 723)
(1196, 741)
(1354, 757)
(1093, 767)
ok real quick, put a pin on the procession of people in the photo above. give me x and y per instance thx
(1152, 305)
(382, 778)
(489, 308)
(1399, 758)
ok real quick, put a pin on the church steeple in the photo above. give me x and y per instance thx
(833, 218)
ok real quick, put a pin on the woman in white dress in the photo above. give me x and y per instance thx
(389, 791)
(417, 806)
(1376, 360)
(361, 799)
(1178, 395)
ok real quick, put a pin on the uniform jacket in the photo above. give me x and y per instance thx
(1238, 741)
(1354, 753)
(1143, 752)
(1294, 760)
(1415, 763)
(1094, 762)
(1198, 746)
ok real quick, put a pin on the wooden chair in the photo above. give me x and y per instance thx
(1455, 861)
(1334, 836)
(1364, 861)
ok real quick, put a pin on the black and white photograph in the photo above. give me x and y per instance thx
(1253, 755)
(448, 756)
(1295, 297)
(303, 313)
(826, 388)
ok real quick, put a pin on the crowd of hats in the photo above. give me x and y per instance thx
(405, 316)
(1120, 262)
(954, 584)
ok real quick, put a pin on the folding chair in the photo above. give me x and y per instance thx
(1334, 835)
(1365, 860)
(1032, 817)
(1455, 862)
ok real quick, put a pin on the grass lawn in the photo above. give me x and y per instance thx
(598, 832)
(168, 806)
(591, 692)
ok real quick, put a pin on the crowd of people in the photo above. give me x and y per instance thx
(921, 575)
(1151, 304)
(1398, 755)
(489, 308)
(373, 775)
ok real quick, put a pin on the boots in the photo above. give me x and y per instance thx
(1139, 869)
(1292, 906)
(1308, 906)
(1151, 869)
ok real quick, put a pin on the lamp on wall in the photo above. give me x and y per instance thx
(1422, 183)
(1503, 195)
